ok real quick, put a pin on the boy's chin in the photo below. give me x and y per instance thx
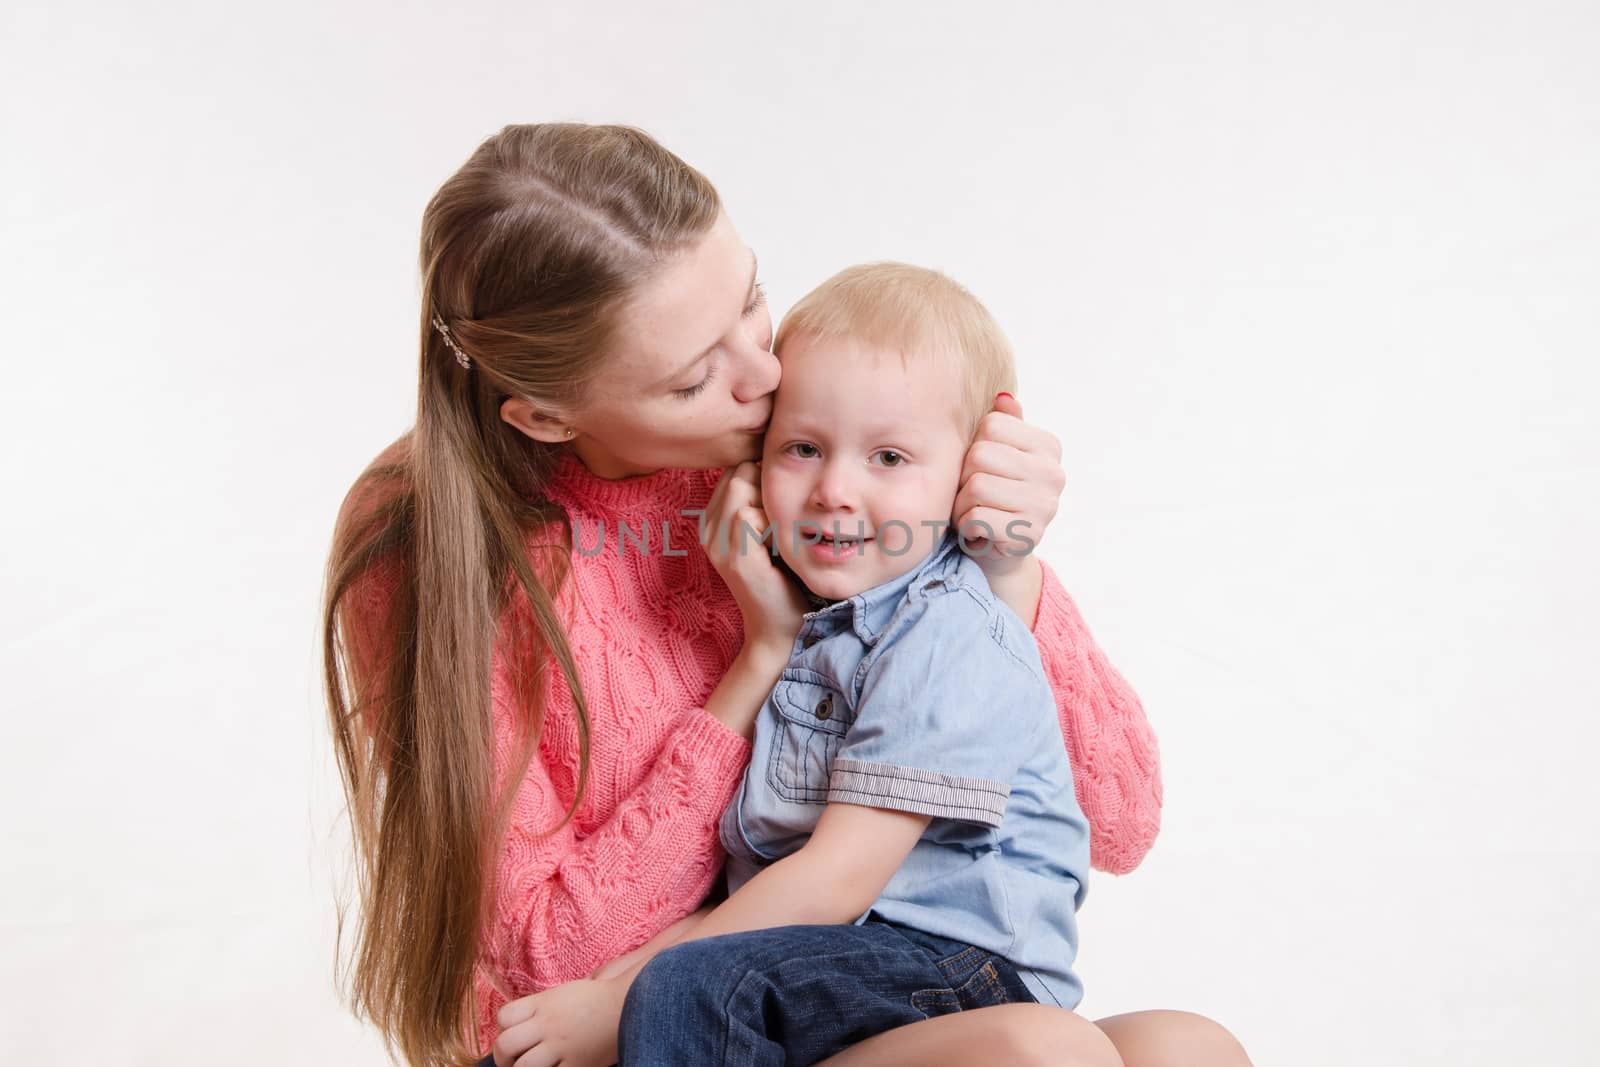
(841, 582)
(834, 586)
(829, 583)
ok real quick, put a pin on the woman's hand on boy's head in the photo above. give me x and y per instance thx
(1011, 485)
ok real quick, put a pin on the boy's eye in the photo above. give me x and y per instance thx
(890, 458)
(804, 450)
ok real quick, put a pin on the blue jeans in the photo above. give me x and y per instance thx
(798, 994)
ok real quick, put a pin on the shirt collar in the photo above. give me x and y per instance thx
(869, 611)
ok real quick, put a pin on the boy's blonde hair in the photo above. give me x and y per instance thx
(916, 312)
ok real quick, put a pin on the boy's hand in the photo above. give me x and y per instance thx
(730, 532)
(1011, 482)
(573, 1024)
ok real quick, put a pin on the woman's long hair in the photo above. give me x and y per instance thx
(526, 253)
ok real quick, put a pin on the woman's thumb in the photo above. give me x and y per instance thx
(1007, 404)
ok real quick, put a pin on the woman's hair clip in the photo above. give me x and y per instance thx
(444, 331)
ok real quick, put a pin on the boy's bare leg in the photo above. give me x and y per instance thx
(1018, 1034)
(1173, 1039)
(1036, 1034)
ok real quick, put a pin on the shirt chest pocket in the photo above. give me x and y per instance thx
(811, 721)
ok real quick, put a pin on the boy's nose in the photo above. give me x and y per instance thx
(834, 490)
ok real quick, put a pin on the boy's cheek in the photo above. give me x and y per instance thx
(776, 493)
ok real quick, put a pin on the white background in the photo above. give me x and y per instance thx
(1307, 290)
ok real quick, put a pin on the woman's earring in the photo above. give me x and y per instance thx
(569, 431)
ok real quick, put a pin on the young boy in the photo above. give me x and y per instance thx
(908, 795)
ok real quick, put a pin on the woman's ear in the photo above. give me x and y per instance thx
(538, 423)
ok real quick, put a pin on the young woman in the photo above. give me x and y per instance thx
(538, 682)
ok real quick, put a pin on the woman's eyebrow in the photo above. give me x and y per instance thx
(749, 295)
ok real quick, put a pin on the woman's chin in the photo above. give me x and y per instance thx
(727, 452)
(743, 448)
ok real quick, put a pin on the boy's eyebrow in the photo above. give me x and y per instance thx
(748, 296)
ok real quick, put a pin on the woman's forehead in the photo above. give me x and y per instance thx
(686, 307)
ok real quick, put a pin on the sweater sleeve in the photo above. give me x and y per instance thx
(1115, 761)
(571, 900)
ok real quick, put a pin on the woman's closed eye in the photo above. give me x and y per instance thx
(757, 300)
(699, 387)
(758, 297)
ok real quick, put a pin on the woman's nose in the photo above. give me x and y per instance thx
(756, 371)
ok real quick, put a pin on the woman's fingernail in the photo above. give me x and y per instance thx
(997, 396)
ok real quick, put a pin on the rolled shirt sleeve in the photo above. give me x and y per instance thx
(945, 717)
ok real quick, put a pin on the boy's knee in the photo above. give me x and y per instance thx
(652, 987)
(1034, 1035)
(1174, 1039)
(667, 986)
(1210, 1042)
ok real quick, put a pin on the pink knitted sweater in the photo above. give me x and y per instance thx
(653, 632)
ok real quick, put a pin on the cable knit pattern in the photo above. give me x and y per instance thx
(1116, 769)
(652, 634)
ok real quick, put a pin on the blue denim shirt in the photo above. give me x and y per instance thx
(926, 694)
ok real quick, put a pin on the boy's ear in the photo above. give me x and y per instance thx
(541, 424)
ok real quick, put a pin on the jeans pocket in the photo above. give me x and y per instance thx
(993, 981)
(932, 1002)
(984, 989)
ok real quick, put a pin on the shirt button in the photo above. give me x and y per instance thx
(825, 707)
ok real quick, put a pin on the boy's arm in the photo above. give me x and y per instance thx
(918, 721)
(832, 879)
(914, 722)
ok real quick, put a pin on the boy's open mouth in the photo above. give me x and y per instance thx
(845, 539)
(838, 546)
